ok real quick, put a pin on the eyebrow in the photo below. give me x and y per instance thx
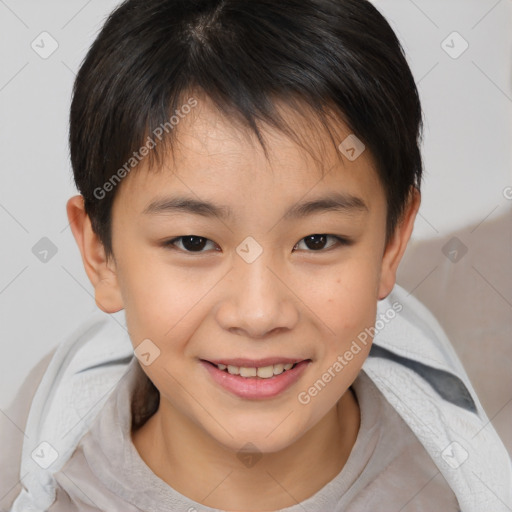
(338, 202)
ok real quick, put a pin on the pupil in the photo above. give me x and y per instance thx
(193, 243)
(315, 241)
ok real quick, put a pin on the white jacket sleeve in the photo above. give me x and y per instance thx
(12, 426)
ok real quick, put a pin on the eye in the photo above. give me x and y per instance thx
(189, 243)
(197, 244)
(318, 242)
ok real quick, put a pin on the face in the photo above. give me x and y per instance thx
(226, 256)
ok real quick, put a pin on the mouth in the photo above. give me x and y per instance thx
(250, 379)
(259, 369)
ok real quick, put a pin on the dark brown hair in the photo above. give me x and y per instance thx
(246, 56)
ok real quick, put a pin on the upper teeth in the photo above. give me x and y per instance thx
(265, 372)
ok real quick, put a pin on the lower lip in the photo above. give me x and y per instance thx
(256, 387)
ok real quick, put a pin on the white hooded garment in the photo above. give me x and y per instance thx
(411, 362)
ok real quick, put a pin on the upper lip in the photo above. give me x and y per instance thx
(255, 363)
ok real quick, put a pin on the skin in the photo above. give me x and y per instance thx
(292, 301)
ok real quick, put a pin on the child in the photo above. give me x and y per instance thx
(249, 176)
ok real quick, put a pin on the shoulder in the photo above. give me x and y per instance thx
(12, 427)
(414, 365)
(57, 404)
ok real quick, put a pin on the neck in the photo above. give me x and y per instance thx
(195, 465)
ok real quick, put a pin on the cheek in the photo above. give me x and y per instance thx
(345, 297)
(346, 304)
(161, 300)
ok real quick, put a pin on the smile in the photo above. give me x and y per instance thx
(255, 382)
(263, 372)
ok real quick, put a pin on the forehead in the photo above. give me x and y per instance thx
(214, 155)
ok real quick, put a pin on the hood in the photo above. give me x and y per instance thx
(411, 362)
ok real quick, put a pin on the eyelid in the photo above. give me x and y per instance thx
(340, 241)
(171, 244)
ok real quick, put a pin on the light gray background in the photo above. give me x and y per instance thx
(467, 152)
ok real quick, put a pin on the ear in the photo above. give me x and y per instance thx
(101, 272)
(397, 244)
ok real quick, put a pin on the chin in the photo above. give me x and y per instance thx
(264, 437)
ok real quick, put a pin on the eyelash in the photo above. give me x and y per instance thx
(340, 241)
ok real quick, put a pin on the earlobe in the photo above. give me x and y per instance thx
(397, 244)
(100, 270)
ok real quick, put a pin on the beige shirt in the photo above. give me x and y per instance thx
(388, 469)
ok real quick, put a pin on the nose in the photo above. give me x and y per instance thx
(257, 302)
